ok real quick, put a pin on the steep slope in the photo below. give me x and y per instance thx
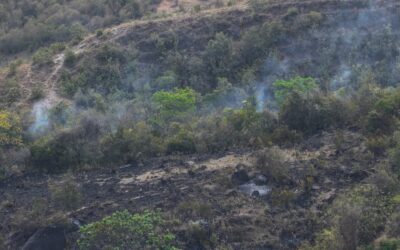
(238, 172)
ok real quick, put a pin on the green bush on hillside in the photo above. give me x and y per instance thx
(312, 113)
(123, 230)
(300, 85)
(172, 105)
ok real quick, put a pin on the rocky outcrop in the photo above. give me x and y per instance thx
(48, 238)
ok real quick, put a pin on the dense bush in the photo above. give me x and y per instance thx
(129, 145)
(255, 44)
(67, 149)
(175, 104)
(123, 230)
(394, 154)
(10, 92)
(181, 141)
(300, 85)
(314, 112)
(102, 71)
(382, 118)
(272, 163)
(10, 129)
(66, 195)
(28, 25)
(218, 56)
(70, 58)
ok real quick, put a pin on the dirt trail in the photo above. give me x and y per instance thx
(50, 85)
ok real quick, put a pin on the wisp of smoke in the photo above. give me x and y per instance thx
(40, 112)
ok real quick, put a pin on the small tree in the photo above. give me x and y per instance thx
(218, 55)
(123, 230)
(175, 104)
(298, 84)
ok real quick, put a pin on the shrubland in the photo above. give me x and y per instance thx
(273, 86)
(29, 25)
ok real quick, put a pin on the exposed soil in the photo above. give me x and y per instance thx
(239, 220)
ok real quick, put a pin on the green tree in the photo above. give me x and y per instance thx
(218, 55)
(123, 230)
(301, 85)
(175, 104)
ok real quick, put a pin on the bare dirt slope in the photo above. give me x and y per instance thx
(202, 188)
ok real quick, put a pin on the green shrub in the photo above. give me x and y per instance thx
(282, 197)
(258, 5)
(166, 81)
(37, 93)
(378, 145)
(66, 194)
(123, 230)
(99, 33)
(67, 149)
(195, 210)
(309, 20)
(379, 123)
(175, 104)
(10, 129)
(394, 154)
(101, 70)
(393, 225)
(325, 240)
(55, 154)
(130, 145)
(382, 119)
(312, 113)
(256, 43)
(218, 56)
(199, 233)
(182, 142)
(197, 8)
(10, 92)
(272, 163)
(57, 47)
(70, 58)
(282, 135)
(283, 89)
(389, 244)
(43, 57)
(13, 67)
(59, 115)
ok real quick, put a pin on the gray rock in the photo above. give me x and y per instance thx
(260, 180)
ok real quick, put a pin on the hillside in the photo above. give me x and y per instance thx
(200, 125)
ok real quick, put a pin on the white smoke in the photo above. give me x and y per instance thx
(40, 113)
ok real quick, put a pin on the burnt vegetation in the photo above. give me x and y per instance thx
(262, 126)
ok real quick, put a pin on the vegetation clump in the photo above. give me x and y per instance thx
(123, 230)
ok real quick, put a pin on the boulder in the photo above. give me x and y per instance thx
(48, 238)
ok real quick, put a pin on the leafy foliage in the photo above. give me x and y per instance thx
(123, 230)
(10, 129)
(175, 104)
(218, 55)
(28, 25)
(298, 85)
